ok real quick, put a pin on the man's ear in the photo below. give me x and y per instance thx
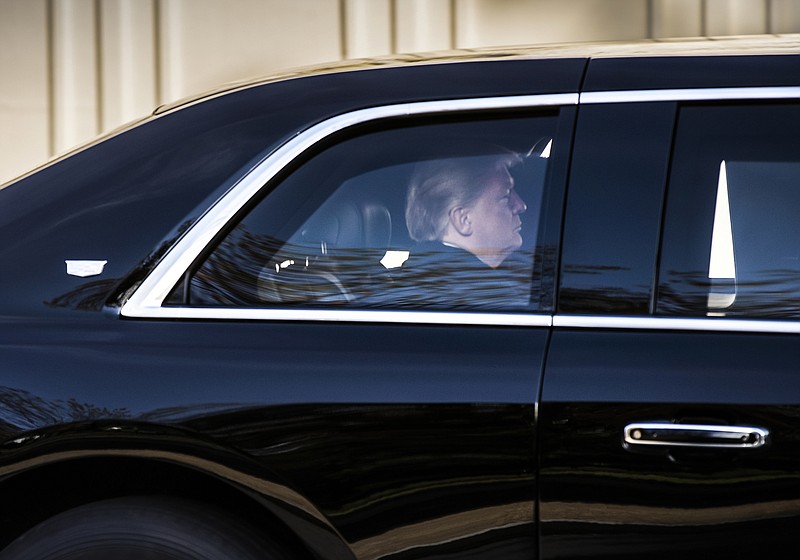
(461, 220)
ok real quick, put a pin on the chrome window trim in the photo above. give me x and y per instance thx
(355, 316)
(698, 94)
(582, 322)
(147, 300)
(719, 324)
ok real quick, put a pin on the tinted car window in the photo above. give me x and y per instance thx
(730, 240)
(347, 227)
(614, 206)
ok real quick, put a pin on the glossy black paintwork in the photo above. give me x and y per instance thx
(642, 73)
(397, 477)
(600, 499)
(382, 429)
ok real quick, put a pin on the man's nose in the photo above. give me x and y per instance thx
(518, 205)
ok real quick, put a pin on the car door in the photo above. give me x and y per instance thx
(669, 414)
(403, 409)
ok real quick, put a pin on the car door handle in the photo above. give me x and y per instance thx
(695, 435)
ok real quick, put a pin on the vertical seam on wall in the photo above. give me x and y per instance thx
(393, 26)
(51, 87)
(453, 26)
(650, 23)
(343, 29)
(703, 11)
(768, 16)
(157, 90)
(98, 67)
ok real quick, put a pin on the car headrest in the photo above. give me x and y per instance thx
(350, 225)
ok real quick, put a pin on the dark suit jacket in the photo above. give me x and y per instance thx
(444, 277)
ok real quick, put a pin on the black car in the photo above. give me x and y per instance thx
(271, 323)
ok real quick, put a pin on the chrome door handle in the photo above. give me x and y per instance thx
(695, 435)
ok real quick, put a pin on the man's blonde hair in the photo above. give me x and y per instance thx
(439, 185)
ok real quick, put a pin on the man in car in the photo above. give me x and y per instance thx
(464, 212)
(467, 203)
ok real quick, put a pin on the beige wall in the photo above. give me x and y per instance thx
(71, 69)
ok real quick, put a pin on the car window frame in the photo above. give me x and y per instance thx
(148, 300)
(672, 323)
(699, 221)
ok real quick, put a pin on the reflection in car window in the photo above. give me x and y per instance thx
(730, 243)
(722, 260)
(437, 216)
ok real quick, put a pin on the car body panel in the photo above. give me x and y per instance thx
(604, 499)
(350, 395)
(613, 365)
(646, 73)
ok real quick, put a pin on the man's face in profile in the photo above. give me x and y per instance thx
(495, 218)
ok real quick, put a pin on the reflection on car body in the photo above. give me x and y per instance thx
(222, 326)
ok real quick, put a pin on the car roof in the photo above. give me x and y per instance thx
(650, 48)
(783, 44)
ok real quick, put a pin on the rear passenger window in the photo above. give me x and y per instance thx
(435, 216)
(731, 244)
